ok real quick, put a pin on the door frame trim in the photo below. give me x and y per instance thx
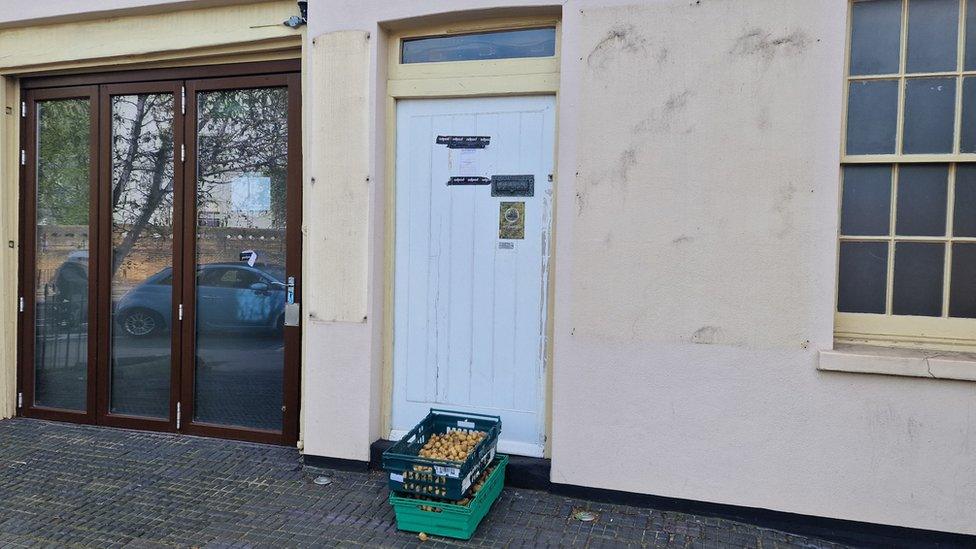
(98, 87)
(27, 285)
(103, 411)
(293, 261)
(463, 79)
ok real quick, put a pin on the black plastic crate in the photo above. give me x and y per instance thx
(413, 474)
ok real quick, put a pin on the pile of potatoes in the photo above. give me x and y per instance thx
(454, 445)
(465, 501)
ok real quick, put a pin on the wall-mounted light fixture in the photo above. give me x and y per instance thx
(296, 21)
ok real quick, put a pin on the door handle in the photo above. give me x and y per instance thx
(293, 311)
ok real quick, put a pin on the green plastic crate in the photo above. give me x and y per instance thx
(413, 474)
(452, 520)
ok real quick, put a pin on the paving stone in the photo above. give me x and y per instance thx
(64, 485)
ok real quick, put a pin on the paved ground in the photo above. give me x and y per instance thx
(67, 485)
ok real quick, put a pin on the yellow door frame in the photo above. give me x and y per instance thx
(454, 79)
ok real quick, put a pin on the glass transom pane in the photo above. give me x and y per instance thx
(510, 44)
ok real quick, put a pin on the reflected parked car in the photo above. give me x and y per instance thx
(231, 297)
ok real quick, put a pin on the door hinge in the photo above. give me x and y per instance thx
(182, 99)
(23, 157)
(179, 415)
(20, 306)
(182, 153)
(180, 312)
(20, 400)
(23, 109)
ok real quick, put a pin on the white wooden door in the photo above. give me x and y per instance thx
(469, 294)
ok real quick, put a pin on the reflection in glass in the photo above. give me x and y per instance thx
(863, 272)
(875, 37)
(866, 204)
(872, 117)
(509, 44)
(241, 191)
(142, 253)
(918, 279)
(929, 107)
(61, 298)
(933, 29)
(922, 190)
(962, 289)
(967, 137)
(964, 218)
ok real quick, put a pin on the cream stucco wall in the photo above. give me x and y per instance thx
(695, 266)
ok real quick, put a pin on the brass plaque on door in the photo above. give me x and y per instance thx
(511, 220)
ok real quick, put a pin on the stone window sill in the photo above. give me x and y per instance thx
(868, 359)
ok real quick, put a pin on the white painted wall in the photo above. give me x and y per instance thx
(695, 264)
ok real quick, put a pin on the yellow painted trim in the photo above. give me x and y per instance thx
(474, 86)
(148, 38)
(956, 334)
(9, 201)
(531, 76)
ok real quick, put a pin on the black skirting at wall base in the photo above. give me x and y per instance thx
(339, 464)
(859, 534)
(534, 474)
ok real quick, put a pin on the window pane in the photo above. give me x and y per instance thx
(964, 218)
(875, 37)
(929, 105)
(962, 293)
(921, 205)
(488, 45)
(242, 174)
(918, 279)
(866, 205)
(142, 254)
(872, 117)
(933, 30)
(61, 299)
(863, 276)
(970, 36)
(967, 139)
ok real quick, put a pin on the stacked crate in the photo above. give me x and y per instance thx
(445, 497)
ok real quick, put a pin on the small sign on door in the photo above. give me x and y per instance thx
(511, 220)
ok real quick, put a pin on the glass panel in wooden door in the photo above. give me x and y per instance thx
(241, 285)
(61, 260)
(141, 268)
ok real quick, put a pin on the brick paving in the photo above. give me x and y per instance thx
(69, 485)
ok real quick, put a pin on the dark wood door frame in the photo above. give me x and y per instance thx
(104, 415)
(98, 89)
(28, 254)
(293, 260)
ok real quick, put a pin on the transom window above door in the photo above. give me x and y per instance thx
(907, 254)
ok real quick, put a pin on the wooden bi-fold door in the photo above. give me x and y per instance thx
(161, 251)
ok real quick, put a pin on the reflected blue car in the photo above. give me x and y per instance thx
(231, 297)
